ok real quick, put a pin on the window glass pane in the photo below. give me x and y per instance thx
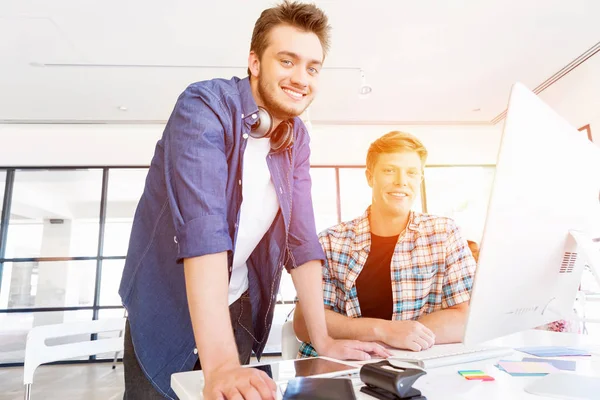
(2, 184)
(356, 194)
(14, 328)
(54, 214)
(48, 284)
(280, 314)
(287, 290)
(324, 197)
(461, 193)
(125, 186)
(110, 281)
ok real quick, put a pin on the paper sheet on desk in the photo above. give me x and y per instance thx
(525, 368)
(565, 365)
(553, 351)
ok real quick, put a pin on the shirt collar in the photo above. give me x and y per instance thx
(249, 106)
(363, 227)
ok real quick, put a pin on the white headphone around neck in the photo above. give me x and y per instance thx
(281, 137)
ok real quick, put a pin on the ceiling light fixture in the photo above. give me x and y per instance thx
(365, 89)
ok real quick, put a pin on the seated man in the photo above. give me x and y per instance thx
(394, 275)
(474, 247)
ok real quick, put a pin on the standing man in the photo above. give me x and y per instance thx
(225, 207)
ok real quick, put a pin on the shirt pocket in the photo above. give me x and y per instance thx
(417, 285)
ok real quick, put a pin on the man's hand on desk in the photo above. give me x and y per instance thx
(350, 349)
(233, 382)
(409, 335)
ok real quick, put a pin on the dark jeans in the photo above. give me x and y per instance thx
(138, 387)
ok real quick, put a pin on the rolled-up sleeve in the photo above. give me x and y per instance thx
(303, 245)
(329, 292)
(196, 174)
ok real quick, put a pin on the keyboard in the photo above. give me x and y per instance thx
(447, 354)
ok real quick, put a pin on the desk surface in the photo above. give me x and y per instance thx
(445, 383)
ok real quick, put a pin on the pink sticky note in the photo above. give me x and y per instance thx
(524, 367)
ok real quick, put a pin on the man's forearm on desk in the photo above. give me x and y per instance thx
(339, 326)
(206, 283)
(308, 282)
(448, 324)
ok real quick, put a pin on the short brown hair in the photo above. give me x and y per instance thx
(306, 17)
(395, 142)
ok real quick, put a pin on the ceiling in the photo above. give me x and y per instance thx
(427, 61)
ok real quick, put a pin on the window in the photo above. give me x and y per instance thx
(125, 187)
(2, 185)
(54, 214)
(42, 284)
(324, 197)
(461, 193)
(50, 257)
(112, 270)
(57, 213)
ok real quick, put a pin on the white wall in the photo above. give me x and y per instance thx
(121, 145)
(576, 96)
(348, 145)
(84, 145)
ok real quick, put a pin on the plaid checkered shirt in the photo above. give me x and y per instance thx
(432, 267)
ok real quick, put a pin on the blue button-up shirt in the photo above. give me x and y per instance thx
(191, 206)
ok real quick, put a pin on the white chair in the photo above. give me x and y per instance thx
(37, 352)
(289, 342)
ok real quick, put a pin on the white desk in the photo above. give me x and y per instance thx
(446, 384)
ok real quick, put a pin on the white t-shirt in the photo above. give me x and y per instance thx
(258, 210)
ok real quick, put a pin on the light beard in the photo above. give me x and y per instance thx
(276, 109)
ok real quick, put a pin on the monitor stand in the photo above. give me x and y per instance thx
(566, 385)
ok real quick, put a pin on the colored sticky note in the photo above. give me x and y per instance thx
(479, 378)
(471, 372)
(475, 375)
(553, 351)
(524, 368)
(565, 365)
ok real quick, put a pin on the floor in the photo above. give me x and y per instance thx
(70, 382)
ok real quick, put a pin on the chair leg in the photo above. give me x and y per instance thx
(116, 352)
(28, 391)
(115, 360)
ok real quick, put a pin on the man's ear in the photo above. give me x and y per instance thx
(253, 64)
(369, 176)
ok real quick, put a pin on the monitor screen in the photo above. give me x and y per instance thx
(544, 199)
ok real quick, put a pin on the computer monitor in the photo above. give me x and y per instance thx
(543, 211)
